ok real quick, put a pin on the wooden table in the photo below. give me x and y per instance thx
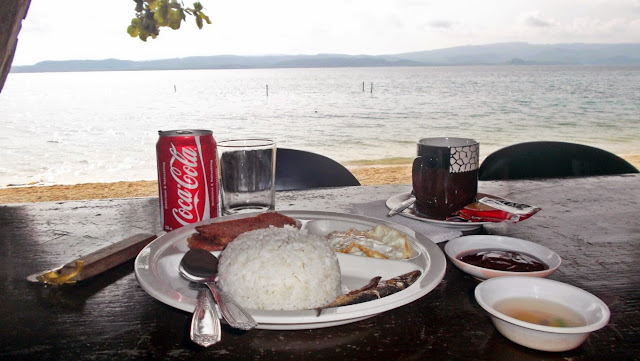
(592, 223)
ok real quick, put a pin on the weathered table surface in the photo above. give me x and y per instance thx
(592, 223)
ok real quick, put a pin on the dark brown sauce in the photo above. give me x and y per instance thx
(503, 260)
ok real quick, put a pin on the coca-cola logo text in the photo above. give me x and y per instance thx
(185, 173)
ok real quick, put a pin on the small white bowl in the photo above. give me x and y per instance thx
(458, 246)
(544, 338)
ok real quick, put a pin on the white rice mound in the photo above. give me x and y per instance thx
(280, 269)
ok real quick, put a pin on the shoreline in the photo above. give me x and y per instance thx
(367, 175)
(371, 174)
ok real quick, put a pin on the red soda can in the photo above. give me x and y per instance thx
(187, 177)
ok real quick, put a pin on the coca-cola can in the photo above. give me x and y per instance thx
(187, 177)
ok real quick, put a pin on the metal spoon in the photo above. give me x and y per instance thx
(201, 266)
(402, 206)
(205, 322)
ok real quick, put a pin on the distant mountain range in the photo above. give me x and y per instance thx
(491, 54)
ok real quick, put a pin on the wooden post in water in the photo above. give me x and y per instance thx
(371, 87)
(363, 86)
(267, 89)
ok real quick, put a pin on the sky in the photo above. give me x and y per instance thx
(91, 29)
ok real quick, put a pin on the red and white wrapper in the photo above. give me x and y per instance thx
(496, 210)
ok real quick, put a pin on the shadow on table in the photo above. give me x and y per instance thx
(72, 297)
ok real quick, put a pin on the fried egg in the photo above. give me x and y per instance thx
(379, 242)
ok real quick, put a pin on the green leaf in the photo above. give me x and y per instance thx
(132, 30)
(175, 18)
(204, 17)
(153, 5)
(162, 14)
(143, 35)
(153, 14)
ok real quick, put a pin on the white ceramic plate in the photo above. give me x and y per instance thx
(461, 225)
(156, 268)
(469, 243)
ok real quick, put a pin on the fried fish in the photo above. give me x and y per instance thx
(375, 289)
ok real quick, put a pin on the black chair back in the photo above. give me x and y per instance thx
(298, 169)
(551, 160)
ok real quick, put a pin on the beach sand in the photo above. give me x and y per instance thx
(367, 175)
(397, 174)
(400, 174)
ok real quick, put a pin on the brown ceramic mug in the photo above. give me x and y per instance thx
(445, 175)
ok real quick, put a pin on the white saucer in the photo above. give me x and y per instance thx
(460, 225)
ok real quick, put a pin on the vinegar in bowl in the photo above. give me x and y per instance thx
(540, 312)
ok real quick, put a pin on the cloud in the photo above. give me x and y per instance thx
(534, 19)
(600, 29)
(635, 6)
(441, 24)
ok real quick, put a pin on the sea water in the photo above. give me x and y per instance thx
(69, 128)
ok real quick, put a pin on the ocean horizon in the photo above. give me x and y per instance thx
(71, 128)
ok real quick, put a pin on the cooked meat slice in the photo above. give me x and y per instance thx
(221, 233)
(197, 241)
(231, 229)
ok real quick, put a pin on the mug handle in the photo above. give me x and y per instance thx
(419, 163)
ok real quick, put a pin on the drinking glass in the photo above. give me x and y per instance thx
(247, 175)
